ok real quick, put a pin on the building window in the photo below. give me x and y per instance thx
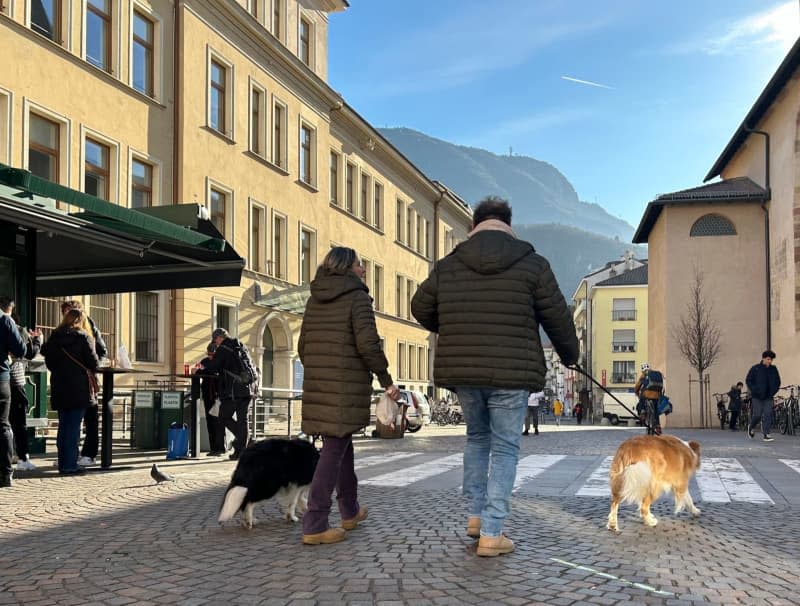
(422, 369)
(143, 54)
(623, 341)
(377, 204)
(307, 154)
(304, 41)
(409, 227)
(5, 126)
(258, 254)
(307, 256)
(712, 225)
(377, 287)
(420, 235)
(364, 208)
(400, 220)
(277, 19)
(225, 316)
(279, 135)
(146, 326)
(336, 160)
(449, 241)
(141, 184)
(401, 360)
(399, 297)
(410, 288)
(427, 250)
(217, 209)
(258, 127)
(412, 362)
(103, 311)
(279, 247)
(46, 18)
(217, 97)
(253, 8)
(624, 310)
(624, 372)
(44, 148)
(98, 33)
(97, 176)
(350, 187)
(367, 265)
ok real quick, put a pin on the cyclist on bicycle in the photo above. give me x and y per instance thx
(649, 388)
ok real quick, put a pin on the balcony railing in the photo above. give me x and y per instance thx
(623, 378)
(623, 315)
(623, 346)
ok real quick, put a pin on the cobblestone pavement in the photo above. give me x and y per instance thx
(117, 538)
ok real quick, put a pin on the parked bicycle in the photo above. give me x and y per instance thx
(744, 413)
(789, 414)
(722, 409)
(444, 414)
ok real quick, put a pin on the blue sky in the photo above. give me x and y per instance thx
(677, 78)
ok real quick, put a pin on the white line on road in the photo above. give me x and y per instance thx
(532, 466)
(362, 462)
(596, 484)
(415, 474)
(722, 480)
(605, 575)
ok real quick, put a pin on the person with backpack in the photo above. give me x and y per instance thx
(735, 404)
(649, 388)
(236, 383)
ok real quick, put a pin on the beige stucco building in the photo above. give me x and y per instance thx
(225, 104)
(742, 233)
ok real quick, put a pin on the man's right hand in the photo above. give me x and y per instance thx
(393, 391)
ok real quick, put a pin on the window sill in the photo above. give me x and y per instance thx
(338, 208)
(219, 134)
(310, 187)
(405, 246)
(262, 160)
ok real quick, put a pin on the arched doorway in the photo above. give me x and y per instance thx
(267, 358)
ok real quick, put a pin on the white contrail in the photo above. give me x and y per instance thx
(586, 82)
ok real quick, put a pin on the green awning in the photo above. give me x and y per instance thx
(109, 249)
(105, 213)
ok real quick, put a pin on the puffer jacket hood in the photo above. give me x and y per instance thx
(492, 252)
(328, 286)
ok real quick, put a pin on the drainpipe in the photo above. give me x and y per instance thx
(177, 159)
(766, 230)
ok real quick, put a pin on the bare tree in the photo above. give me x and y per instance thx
(698, 335)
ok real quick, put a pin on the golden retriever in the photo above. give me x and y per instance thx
(646, 467)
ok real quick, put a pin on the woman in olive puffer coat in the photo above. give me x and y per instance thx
(340, 348)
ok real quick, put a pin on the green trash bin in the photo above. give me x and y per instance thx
(36, 390)
(144, 432)
(169, 412)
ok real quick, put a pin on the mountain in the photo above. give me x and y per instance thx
(538, 192)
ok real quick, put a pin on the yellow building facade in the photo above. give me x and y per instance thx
(225, 104)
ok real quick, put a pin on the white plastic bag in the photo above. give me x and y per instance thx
(386, 410)
(214, 410)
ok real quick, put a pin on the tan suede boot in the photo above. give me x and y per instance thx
(474, 527)
(494, 546)
(352, 523)
(332, 535)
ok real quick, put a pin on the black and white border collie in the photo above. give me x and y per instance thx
(279, 468)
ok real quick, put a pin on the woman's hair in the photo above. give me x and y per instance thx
(339, 259)
(74, 318)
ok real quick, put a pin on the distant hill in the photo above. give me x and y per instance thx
(573, 252)
(538, 191)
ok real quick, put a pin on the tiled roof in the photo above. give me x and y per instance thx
(737, 190)
(634, 277)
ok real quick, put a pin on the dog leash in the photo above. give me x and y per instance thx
(593, 380)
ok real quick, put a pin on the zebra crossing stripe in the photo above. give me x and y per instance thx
(417, 473)
(363, 462)
(793, 464)
(596, 485)
(532, 466)
(722, 480)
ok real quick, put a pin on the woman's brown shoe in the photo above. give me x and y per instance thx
(474, 527)
(352, 523)
(332, 535)
(494, 546)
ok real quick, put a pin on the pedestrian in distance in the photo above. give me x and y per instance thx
(578, 412)
(11, 343)
(72, 361)
(91, 418)
(558, 410)
(235, 387)
(735, 404)
(340, 348)
(19, 399)
(763, 381)
(486, 300)
(212, 406)
(532, 416)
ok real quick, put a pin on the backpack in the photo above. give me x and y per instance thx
(652, 384)
(664, 405)
(245, 373)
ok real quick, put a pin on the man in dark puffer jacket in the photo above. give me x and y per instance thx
(487, 300)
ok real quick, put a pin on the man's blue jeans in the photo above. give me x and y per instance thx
(494, 417)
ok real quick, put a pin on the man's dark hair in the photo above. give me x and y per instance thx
(6, 302)
(768, 354)
(492, 207)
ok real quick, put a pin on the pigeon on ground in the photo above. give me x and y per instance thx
(159, 476)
